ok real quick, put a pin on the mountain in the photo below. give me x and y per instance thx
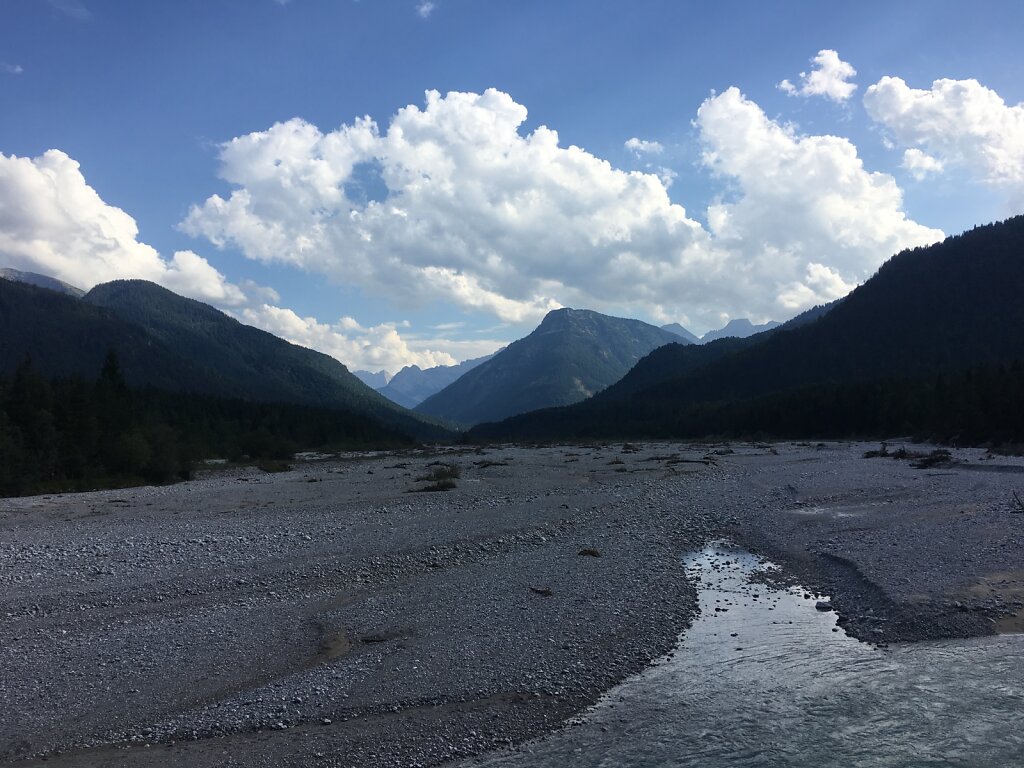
(571, 355)
(928, 313)
(743, 328)
(67, 337)
(678, 330)
(40, 281)
(737, 329)
(412, 385)
(670, 361)
(169, 342)
(250, 363)
(373, 380)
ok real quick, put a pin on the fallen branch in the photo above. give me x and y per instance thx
(1020, 504)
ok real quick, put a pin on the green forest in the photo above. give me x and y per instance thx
(982, 406)
(69, 434)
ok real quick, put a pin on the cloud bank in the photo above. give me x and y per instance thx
(54, 223)
(477, 213)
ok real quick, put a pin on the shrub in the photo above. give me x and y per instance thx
(441, 472)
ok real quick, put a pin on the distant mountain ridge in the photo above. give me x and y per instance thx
(927, 311)
(739, 328)
(412, 385)
(682, 333)
(40, 281)
(373, 379)
(571, 355)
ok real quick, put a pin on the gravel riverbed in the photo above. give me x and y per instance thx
(330, 616)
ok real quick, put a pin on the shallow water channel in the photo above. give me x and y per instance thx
(768, 680)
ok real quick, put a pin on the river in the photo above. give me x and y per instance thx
(764, 678)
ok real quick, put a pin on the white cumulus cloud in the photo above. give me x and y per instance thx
(919, 164)
(806, 204)
(957, 123)
(476, 213)
(11, 69)
(53, 222)
(641, 147)
(425, 8)
(829, 77)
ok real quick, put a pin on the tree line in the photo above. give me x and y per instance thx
(981, 406)
(75, 434)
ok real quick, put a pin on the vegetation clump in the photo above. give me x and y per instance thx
(940, 457)
(440, 485)
(441, 477)
(488, 463)
(441, 471)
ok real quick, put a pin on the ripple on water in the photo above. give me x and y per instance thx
(768, 680)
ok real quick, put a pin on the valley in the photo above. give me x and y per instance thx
(434, 384)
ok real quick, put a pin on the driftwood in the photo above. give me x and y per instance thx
(1020, 504)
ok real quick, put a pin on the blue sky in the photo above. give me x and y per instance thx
(443, 232)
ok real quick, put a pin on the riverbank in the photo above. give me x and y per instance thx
(333, 615)
(765, 677)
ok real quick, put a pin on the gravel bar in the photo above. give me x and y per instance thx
(337, 615)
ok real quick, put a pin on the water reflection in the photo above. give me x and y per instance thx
(768, 680)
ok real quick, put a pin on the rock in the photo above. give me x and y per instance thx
(823, 605)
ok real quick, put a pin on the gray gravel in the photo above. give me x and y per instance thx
(327, 616)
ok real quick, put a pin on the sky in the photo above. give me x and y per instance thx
(399, 182)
